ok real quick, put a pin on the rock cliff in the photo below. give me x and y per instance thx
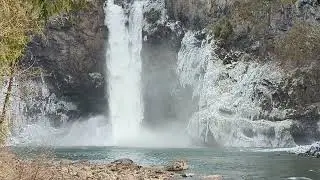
(236, 73)
(242, 61)
(71, 55)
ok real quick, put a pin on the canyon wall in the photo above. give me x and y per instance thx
(234, 73)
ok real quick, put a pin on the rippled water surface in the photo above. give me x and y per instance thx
(231, 163)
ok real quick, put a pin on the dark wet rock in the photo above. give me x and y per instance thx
(317, 154)
(314, 150)
(186, 175)
(152, 16)
(179, 165)
(193, 14)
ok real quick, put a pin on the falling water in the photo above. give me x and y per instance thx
(124, 69)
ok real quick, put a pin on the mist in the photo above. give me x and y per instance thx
(96, 131)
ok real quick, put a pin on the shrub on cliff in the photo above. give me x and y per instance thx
(254, 23)
(19, 20)
(152, 16)
(253, 13)
(222, 30)
(300, 46)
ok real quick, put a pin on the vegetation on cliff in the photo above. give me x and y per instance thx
(300, 46)
(280, 28)
(19, 21)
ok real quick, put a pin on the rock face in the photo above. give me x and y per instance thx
(199, 14)
(232, 67)
(194, 14)
(314, 151)
(71, 57)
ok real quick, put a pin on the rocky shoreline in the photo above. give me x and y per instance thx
(12, 167)
(42, 168)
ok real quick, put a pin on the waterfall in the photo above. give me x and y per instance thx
(123, 70)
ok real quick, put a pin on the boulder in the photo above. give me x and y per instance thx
(178, 165)
(314, 150)
(186, 175)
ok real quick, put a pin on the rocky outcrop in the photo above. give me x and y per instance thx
(179, 165)
(71, 56)
(194, 14)
(311, 150)
(254, 24)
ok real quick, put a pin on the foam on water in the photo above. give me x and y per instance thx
(296, 150)
(299, 178)
(92, 132)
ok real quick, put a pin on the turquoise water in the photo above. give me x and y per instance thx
(234, 164)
